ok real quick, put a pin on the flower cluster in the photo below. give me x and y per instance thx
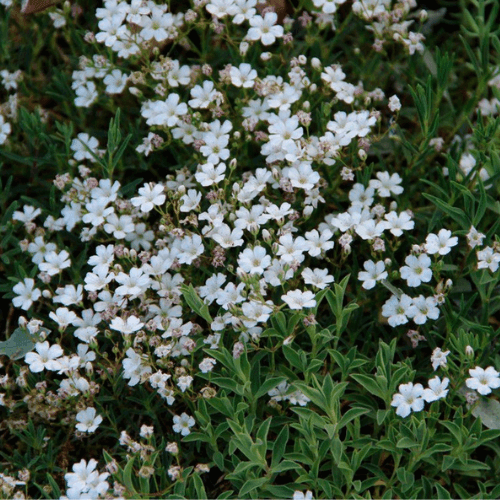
(413, 397)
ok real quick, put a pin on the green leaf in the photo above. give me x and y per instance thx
(219, 460)
(229, 383)
(280, 491)
(18, 344)
(448, 462)
(127, 477)
(55, 487)
(314, 395)
(293, 357)
(200, 488)
(441, 492)
(382, 415)
(407, 442)
(407, 479)
(251, 485)
(222, 405)
(279, 446)
(268, 385)
(285, 465)
(278, 321)
(196, 436)
(195, 303)
(456, 214)
(351, 415)
(488, 410)
(437, 448)
(369, 384)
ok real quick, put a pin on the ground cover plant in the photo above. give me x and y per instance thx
(249, 249)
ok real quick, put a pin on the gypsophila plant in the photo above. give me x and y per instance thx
(249, 249)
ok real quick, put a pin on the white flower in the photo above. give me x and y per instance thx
(370, 229)
(119, 227)
(373, 272)
(265, 29)
(488, 259)
(299, 495)
(438, 358)
(254, 260)
(89, 422)
(396, 223)
(27, 294)
(317, 277)
(133, 324)
(58, 19)
(398, 310)
(190, 201)
(408, 399)
(207, 365)
(115, 82)
(55, 262)
(212, 287)
(184, 382)
(221, 8)
(191, 247)
(81, 146)
(135, 367)
(359, 195)
(215, 147)
(210, 174)
(97, 211)
(297, 299)
(63, 317)
(291, 249)
(202, 96)
(244, 76)
(157, 26)
(226, 237)
(394, 103)
(183, 424)
(27, 215)
(279, 392)
(436, 390)
(418, 270)
(440, 243)
(164, 113)
(10, 80)
(98, 280)
(424, 307)
(150, 195)
(386, 184)
(474, 237)
(303, 176)
(85, 481)
(483, 381)
(45, 357)
(5, 130)
(87, 94)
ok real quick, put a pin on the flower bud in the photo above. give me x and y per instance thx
(244, 48)
(308, 211)
(316, 63)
